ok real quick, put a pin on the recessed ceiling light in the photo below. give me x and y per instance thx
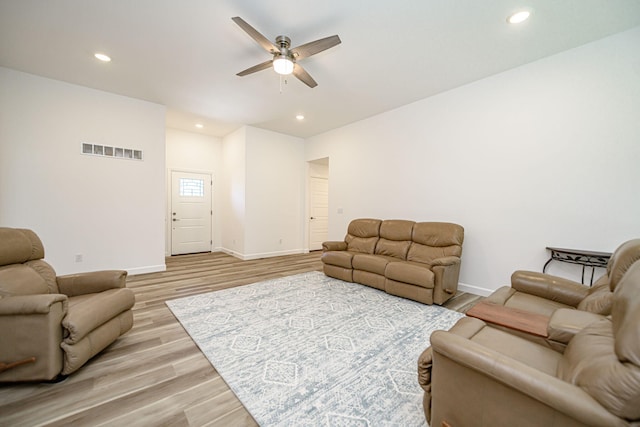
(199, 125)
(300, 117)
(519, 17)
(102, 57)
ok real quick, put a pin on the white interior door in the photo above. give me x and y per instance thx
(319, 209)
(190, 213)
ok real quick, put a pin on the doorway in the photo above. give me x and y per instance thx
(318, 203)
(191, 212)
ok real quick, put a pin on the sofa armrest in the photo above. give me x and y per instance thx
(334, 246)
(445, 261)
(497, 371)
(92, 282)
(565, 323)
(549, 287)
(446, 273)
(31, 304)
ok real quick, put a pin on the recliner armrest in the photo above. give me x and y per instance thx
(563, 397)
(565, 323)
(91, 282)
(334, 246)
(31, 304)
(549, 287)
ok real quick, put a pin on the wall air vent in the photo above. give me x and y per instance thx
(109, 151)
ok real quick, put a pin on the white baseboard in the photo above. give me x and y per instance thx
(147, 269)
(476, 290)
(248, 257)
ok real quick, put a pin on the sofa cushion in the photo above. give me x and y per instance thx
(362, 235)
(395, 238)
(364, 245)
(433, 240)
(371, 263)
(411, 273)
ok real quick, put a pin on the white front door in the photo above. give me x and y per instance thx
(190, 213)
(319, 221)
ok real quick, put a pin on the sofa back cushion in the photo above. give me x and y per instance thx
(622, 258)
(604, 358)
(395, 238)
(433, 240)
(362, 235)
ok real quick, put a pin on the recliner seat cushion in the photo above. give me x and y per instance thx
(410, 272)
(512, 298)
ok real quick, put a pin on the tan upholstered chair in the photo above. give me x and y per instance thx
(543, 293)
(50, 326)
(476, 375)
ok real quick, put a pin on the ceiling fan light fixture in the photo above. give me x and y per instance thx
(283, 65)
(102, 57)
(519, 17)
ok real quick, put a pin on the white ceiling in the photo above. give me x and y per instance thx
(185, 53)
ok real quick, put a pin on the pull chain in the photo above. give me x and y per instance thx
(282, 78)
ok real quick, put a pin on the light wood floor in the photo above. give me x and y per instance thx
(154, 375)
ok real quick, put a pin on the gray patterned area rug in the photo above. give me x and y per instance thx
(310, 350)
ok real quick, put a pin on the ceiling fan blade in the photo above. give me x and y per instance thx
(303, 76)
(311, 48)
(262, 40)
(262, 66)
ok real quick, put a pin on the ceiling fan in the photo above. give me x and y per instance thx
(285, 60)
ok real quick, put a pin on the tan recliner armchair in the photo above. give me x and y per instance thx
(52, 325)
(544, 294)
(477, 375)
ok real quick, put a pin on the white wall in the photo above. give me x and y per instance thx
(109, 210)
(193, 152)
(546, 154)
(275, 208)
(234, 192)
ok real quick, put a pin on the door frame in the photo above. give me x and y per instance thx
(169, 205)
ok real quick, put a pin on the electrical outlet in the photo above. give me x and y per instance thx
(78, 257)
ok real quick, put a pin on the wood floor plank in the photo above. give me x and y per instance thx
(155, 375)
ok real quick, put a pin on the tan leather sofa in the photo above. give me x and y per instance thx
(52, 325)
(544, 294)
(414, 260)
(476, 375)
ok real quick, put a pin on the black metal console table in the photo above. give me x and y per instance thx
(591, 259)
